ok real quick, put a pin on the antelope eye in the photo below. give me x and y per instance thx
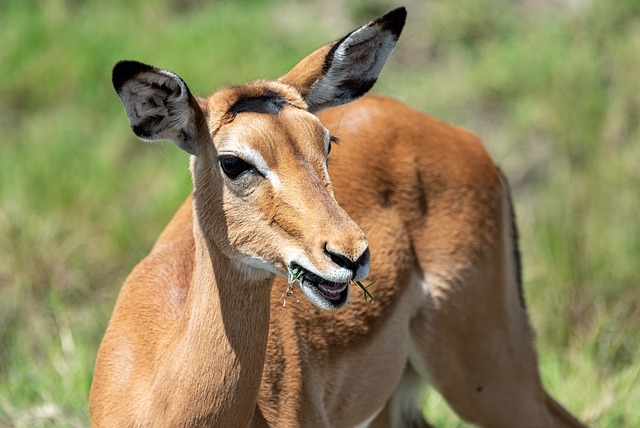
(233, 166)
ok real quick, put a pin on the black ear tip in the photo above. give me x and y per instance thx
(125, 70)
(393, 21)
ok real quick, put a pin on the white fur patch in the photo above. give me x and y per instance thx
(233, 147)
(255, 268)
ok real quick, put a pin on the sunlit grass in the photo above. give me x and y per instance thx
(554, 93)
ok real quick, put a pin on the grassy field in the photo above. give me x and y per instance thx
(553, 88)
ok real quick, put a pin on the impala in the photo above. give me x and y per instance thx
(199, 335)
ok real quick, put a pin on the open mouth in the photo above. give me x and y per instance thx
(321, 292)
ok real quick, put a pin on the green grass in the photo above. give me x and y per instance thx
(554, 91)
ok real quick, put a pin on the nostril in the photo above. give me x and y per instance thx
(362, 260)
(339, 259)
(345, 262)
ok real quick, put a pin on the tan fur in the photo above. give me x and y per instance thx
(199, 335)
(307, 72)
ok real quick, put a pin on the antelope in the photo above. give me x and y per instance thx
(199, 335)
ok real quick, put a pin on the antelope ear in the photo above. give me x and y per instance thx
(158, 103)
(345, 70)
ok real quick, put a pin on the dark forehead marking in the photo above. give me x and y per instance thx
(267, 102)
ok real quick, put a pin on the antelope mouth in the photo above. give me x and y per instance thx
(321, 292)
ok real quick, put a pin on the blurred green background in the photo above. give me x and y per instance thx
(553, 88)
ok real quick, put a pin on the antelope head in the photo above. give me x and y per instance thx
(262, 192)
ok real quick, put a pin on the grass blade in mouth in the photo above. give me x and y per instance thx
(295, 275)
(367, 294)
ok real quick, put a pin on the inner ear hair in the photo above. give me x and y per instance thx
(345, 70)
(158, 104)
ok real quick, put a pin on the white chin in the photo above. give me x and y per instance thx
(255, 268)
